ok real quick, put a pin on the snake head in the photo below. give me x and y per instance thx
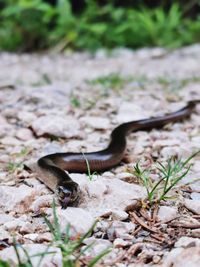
(67, 193)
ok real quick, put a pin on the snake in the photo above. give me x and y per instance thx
(53, 167)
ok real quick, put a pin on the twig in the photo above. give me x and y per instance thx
(137, 230)
(145, 215)
(188, 225)
(154, 214)
(143, 224)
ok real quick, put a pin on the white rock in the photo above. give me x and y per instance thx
(119, 215)
(80, 220)
(97, 246)
(5, 128)
(11, 141)
(19, 225)
(5, 234)
(196, 167)
(32, 237)
(41, 202)
(124, 175)
(18, 199)
(168, 142)
(195, 186)
(180, 257)
(120, 230)
(26, 117)
(195, 196)
(168, 152)
(96, 122)
(24, 134)
(166, 214)
(111, 194)
(42, 237)
(57, 126)
(5, 218)
(193, 205)
(3, 121)
(120, 243)
(50, 259)
(130, 112)
(186, 241)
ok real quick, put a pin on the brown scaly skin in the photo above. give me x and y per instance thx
(55, 164)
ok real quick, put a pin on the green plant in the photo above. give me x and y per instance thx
(28, 261)
(28, 25)
(174, 171)
(74, 100)
(110, 81)
(90, 175)
(177, 84)
(71, 249)
(25, 24)
(4, 263)
(13, 166)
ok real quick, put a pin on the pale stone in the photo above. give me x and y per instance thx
(17, 198)
(195, 196)
(5, 234)
(168, 142)
(108, 193)
(41, 202)
(186, 241)
(120, 230)
(24, 134)
(26, 117)
(130, 112)
(120, 243)
(97, 246)
(166, 214)
(51, 259)
(11, 141)
(5, 128)
(57, 126)
(96, 122)
(5, 218)
(79, 220)
(42, 237)
(119, 215)
(193, 205)
(180, 257)
(19, 225)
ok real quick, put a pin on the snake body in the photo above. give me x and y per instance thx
(52, 166)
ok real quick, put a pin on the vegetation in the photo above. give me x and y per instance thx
(71, 249)
(169, 175)
(28, 25)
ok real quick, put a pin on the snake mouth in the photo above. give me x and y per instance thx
(65, 201)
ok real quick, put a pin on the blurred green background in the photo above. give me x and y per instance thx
(27, 25)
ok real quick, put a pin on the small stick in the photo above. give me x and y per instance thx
(142, 223)
(188, 225)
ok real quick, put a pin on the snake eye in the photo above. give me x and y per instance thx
(63, 191)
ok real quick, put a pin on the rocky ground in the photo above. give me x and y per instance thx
(54, 103)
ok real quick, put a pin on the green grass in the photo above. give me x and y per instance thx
(89, 174)
(4, 263)
(74, 100)
(72, 249)
(177, 84)
(169, 176)
(111, 81)
(28, 25)
(13, 166)
(116, 82)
